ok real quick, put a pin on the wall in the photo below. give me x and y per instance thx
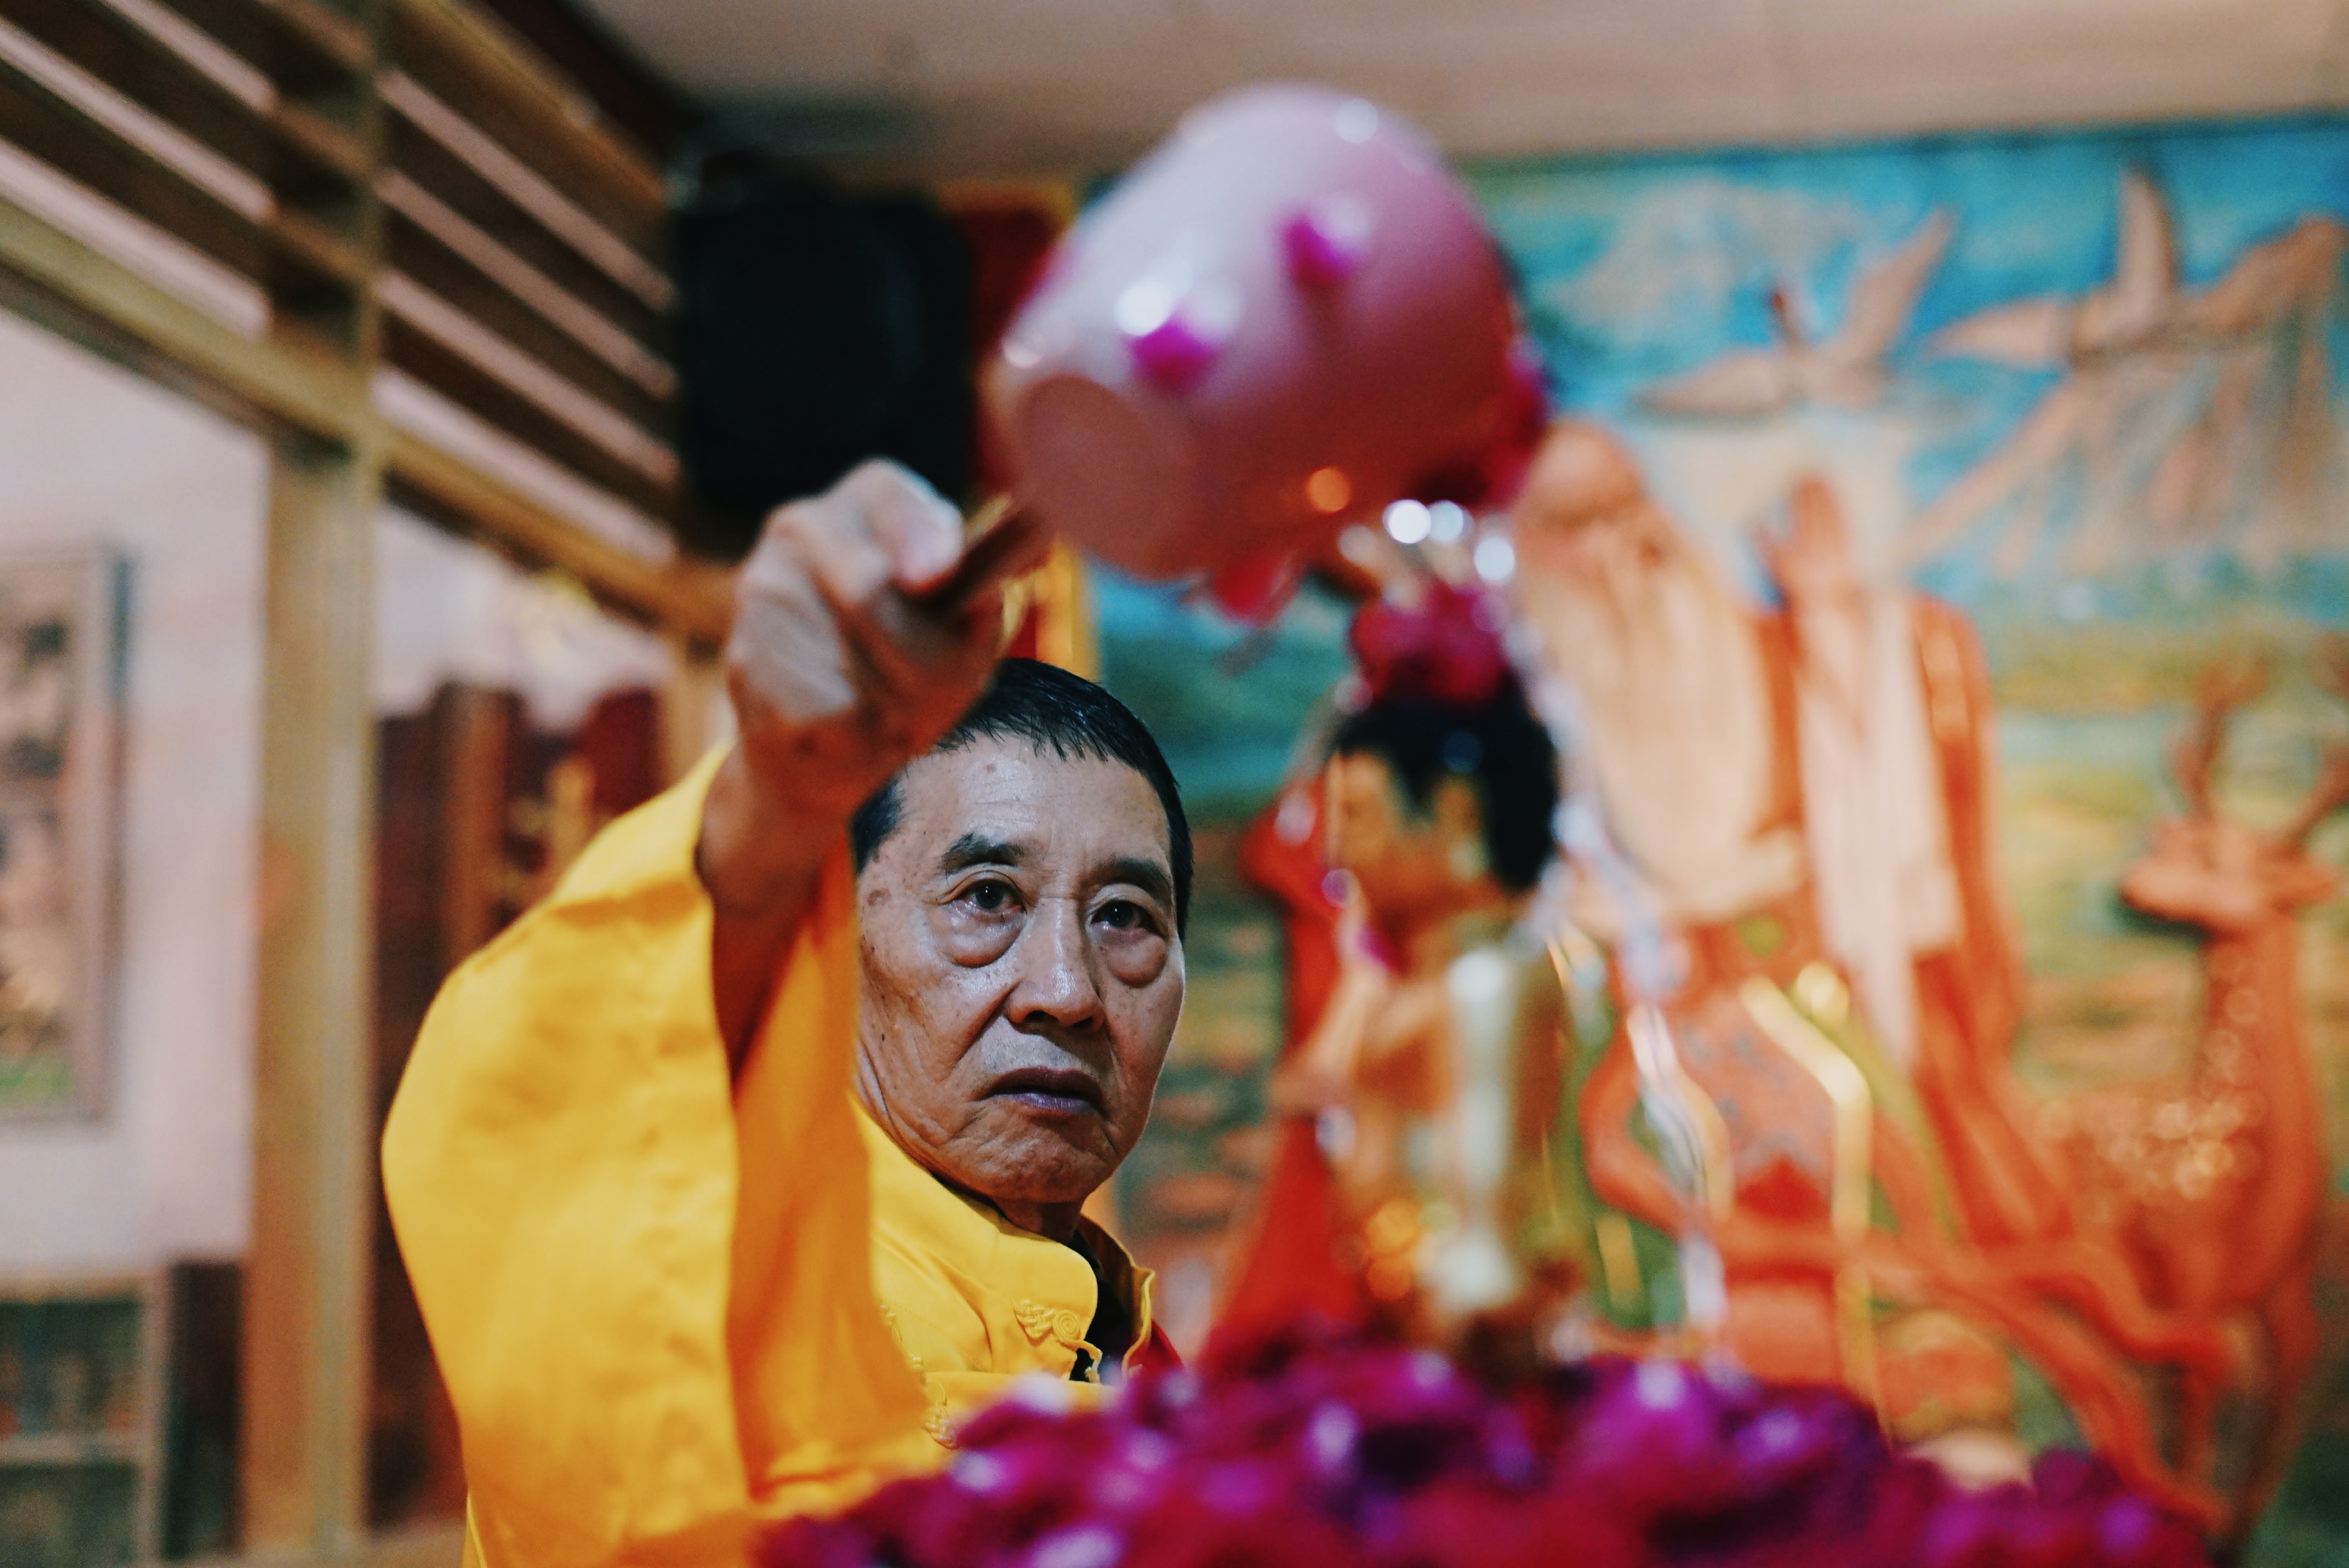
(92, 455)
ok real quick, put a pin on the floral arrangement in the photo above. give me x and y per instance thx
(1443, 646)
(1299, 1452)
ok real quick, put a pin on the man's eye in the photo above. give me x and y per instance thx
(989, 897)
(1122, 916)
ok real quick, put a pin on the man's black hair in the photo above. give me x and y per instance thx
(1499, 748)
(1067, 715)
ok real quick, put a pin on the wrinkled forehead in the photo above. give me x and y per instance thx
(1075, 814)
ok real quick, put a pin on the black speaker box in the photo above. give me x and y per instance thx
(815, 328)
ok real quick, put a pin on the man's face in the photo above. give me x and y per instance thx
(1021, 972)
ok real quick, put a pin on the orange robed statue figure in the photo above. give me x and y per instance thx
(1804, 798)
(735, 1173)
(1433, 1068)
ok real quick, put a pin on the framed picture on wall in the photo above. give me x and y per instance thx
(61, 640)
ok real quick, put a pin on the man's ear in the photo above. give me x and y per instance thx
(1457, 810)
(1459, 818)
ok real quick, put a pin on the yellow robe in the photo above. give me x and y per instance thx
(669, 1305)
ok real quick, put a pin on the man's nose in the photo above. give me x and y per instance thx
(1056, 979)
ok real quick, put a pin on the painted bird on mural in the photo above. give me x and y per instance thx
(2185, 419)
(1845, 368)
(2134, 311)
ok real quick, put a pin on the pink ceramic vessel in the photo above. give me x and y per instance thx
(1287, 317)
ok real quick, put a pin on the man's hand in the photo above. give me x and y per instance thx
(863, 629)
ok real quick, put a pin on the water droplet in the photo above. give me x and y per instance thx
(1659, 1384)
(980, 1473)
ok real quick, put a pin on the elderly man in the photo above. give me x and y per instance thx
(732, 1175)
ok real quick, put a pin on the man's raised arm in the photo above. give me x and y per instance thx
(643, 1255)
(862, 631)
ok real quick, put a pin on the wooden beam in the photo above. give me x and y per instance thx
(475, 741)
(692, 599)
(276, 384)
(309, 1268)
(296, 43)
(429, 1546)
(693, 706)
(279, 142)
(465, 59)
(422, 1546)
(307, 1273)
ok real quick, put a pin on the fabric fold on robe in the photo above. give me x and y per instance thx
(654, 1333)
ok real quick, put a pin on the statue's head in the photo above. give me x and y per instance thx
(1581, 475)
(1442, 785)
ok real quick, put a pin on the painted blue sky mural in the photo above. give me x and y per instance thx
(1226, 704)
(2084, 375)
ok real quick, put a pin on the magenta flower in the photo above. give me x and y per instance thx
(1307, 1451)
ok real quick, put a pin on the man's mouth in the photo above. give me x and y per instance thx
(1054, 1091)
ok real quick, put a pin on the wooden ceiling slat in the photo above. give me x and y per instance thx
(312, 137)
(647, 110)
(297, 44)
(450, 180)
(529, 294)
(281, 248)
(410, 248)
(407, 347)
(315, 248)
(286, 145)
(458, 57)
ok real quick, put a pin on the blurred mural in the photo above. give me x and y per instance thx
(2085, 391)
(60, 647)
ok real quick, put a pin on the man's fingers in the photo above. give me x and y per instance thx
(787, 657)
(915, 638)
(1017, 544)
(861, 613)
(919, 651)
(916, 528)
